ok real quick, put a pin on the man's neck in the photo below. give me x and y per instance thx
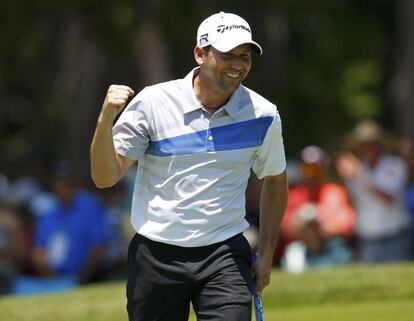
(210, 99)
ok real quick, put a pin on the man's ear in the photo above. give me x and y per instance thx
(198, 55)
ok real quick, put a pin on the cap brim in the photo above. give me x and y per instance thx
(225, 46)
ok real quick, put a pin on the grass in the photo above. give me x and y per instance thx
(398, 310)
(357, 293)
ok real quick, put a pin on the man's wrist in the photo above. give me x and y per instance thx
(265, 254)
(106, 119)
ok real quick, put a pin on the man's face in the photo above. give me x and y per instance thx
(226, 70)
(312, 177)
(64, 190)
(370, 151)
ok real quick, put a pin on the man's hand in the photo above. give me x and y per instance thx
(348, 166)
(116, 98)
(107, 167)
(262, 270)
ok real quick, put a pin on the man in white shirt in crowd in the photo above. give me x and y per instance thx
(376, 182)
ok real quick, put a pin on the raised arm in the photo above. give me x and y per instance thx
(107, 167)
(272, 208)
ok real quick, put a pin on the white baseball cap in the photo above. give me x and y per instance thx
(225, 31)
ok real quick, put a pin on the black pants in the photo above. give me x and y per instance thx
(164, 279)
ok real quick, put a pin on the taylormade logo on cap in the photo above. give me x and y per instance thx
(225, 31)
(223, 28)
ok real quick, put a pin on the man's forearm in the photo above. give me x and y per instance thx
(272, 208)
(105, 167)
(368, 185)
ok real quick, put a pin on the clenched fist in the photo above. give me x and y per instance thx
(116, 98)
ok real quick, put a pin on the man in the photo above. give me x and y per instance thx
(376, 181)
(195, 140)
(313, 249)
(70, 238)
(334, 212)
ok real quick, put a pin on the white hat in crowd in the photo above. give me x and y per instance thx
(369, 131)
(225, 31)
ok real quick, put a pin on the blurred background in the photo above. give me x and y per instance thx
(327, 65)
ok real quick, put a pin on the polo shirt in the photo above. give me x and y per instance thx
(193, 167)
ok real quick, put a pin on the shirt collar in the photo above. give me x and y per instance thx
(190, 102)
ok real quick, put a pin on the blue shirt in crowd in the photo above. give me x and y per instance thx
(410, 201)
(69, 233)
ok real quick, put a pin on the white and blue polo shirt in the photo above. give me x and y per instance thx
(193, 167)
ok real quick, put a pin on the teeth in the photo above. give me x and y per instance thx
(233, 75)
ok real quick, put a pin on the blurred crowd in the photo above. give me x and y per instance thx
(56, 234)
(355, 204)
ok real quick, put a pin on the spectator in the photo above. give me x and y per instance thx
(314, 248)
(71, 237)
(334, 213)
(407, 153)
(410, 201)
(12, 248)
(377, 181)
(30, 193)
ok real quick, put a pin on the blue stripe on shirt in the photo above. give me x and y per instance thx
(246, 134)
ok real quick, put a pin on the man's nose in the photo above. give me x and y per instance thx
(237, 63)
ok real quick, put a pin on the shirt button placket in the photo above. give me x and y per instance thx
(209, 141)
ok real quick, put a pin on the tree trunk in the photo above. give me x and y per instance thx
(151, 51)
(76, 90)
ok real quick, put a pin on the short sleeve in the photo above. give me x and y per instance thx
(131, 131)
(270, 156)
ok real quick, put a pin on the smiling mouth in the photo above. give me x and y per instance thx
(233, 75)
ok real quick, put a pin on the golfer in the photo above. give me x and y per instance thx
(196, 140)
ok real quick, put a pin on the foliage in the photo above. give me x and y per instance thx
(337, 65)
(326, 64)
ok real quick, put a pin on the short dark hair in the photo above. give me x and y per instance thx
(206, 49)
